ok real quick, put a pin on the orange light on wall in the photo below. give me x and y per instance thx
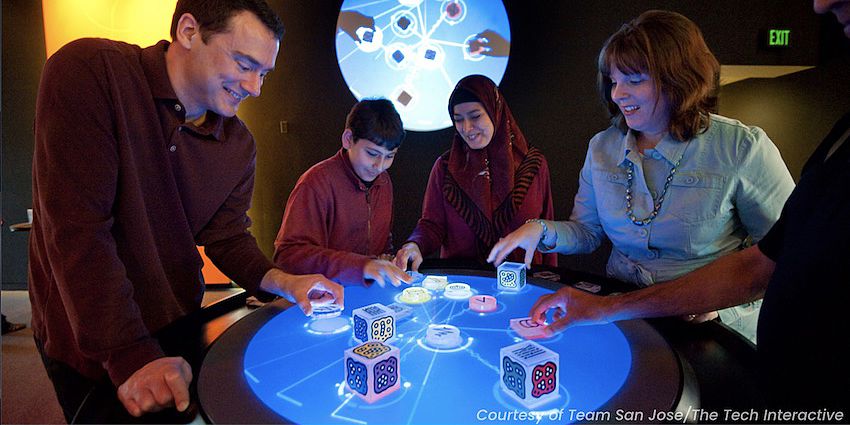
(142, 22)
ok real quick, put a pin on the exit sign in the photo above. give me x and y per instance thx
(778, 37)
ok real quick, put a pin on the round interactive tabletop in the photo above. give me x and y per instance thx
(278, 365)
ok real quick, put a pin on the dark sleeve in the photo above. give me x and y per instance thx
(430, 230)
(301, 246)
(548, 212)
(228, 243)
(75, 178)
(771, 244)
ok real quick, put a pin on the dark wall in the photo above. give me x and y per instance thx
(797, 110)
(23, 56)
(549, 84)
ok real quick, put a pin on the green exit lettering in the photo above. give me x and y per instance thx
(779, 37)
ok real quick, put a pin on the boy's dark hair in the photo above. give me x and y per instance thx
(213, 16)
(377, 121)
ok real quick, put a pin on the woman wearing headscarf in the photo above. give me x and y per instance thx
(489, 183)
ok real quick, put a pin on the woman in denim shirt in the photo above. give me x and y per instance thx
(671, 184)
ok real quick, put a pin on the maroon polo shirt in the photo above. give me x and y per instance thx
(123, 190)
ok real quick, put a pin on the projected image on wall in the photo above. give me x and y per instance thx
(413, 52)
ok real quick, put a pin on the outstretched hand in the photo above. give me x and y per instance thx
(409, 252)
(489, 43)
(349, 22)
(526, 237)
(382, 271)
(303, 290)
(572, 307)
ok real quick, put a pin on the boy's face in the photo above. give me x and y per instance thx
(368, 159)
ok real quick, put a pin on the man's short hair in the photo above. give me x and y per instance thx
(376, 120)
(213, 16)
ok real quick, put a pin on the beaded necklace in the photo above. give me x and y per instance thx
(630, 171)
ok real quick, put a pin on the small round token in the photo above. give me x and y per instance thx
(435, 283)
(326, 311)
(483, 303)
(415, 295)
(443, 336)
(458, 291)
(330, 326)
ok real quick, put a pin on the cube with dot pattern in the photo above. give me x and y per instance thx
(372, 370)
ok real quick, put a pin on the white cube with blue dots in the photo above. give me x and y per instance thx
(511, 276)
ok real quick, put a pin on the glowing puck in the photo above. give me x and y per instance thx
(330, 326)
(326, 311)
(435, 283)
(415, 295)
(443, 336)
(457, 291)
(483, 303)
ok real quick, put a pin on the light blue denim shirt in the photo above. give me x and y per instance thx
(731, 183)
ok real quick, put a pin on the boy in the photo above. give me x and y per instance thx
(338, 217)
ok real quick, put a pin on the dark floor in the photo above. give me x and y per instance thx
(27, 395)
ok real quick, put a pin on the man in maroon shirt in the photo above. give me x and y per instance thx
(139, 157)
(338, 218)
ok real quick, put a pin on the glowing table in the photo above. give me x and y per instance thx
(278, 365)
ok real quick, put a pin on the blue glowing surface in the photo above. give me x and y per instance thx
(299, 373)
(418, 50)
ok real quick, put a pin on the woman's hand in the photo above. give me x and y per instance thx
(526, 237)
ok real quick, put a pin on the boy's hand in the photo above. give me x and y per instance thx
(382, 270)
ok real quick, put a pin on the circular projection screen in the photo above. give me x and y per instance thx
(413, 52)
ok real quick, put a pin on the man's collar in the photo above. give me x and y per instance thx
(156, 72)
(153, 62)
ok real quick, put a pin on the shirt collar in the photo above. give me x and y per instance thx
(669, 148)
(156, 72)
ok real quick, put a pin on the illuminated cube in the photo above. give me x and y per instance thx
(529, 373)
(374, 322)
(511, 276)
(372, 370)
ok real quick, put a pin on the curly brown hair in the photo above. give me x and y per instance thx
(669, 48)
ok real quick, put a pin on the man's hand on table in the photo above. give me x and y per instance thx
(303, 290)
(573, 307)
(160, 384)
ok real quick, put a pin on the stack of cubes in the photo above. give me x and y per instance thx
(372, 367)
